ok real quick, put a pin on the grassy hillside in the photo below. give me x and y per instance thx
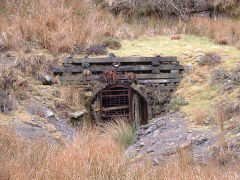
(196, 86)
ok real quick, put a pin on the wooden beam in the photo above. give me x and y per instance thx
(158, 76)
(107, 60)
(170, 67)
(80, 83)
(137, 68)
(120, 77)
(160, 81)
(114, 108)
(166, 88)
(153, 81)
(74, 69)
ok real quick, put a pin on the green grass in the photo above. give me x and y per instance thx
(177, 103)
(126, 136)
(198, 92)
(121, 131)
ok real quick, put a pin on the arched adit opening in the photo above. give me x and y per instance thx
(122, 101)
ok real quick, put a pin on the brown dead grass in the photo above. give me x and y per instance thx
(176, 37)
(57, 25)
(92, 155)
(63, 25)
(221, 152)
(238, 45)
(185, 156)
(223, 31)
(200, 117)
(73, 96)
(220, 116)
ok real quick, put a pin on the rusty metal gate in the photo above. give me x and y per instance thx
(115, 102)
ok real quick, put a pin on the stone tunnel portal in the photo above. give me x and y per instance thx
(120, 101)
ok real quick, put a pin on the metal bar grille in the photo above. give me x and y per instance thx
(115, 102)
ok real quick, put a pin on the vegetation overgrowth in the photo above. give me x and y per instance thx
(93, 155)
(71, 25)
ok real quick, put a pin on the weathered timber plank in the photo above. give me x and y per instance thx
(140, 68)
(166, 88)
(121, 68)
(72, 69)
(79, 84)
(69, 82)
(171, 67)
(158, 76)
(115, 108)
(160, 81)
(156, 70)
(120, 77)
(168, 59)
(130, 59)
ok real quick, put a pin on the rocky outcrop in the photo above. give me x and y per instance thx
(47, 80)
(162, 139)
(77, 114)
(40, 121)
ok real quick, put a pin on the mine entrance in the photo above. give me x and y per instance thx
(122, 86)
(115, 102)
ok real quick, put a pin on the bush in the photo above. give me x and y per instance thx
(209, 59)
(96, 50)
(112, 43)
(224, 111)
(227, 78)
(221, 76)
(8, 79)
(36, 66)
(139, 8)
(229, 108)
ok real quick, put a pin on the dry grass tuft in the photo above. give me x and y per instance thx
(176, 37)
(238, 45)
(200, 117)
(220, 116)
(185, 156)
(73, 96)
(221, 152)
(224, 111)
(121, 131)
